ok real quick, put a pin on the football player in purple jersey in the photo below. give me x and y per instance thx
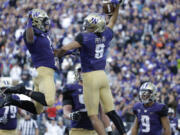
(8, 119)
(173, 122)
(93, 44)
(40, 47)
(74, 109)
(8, 114)
(151, 117)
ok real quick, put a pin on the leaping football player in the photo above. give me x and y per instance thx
(151, 117)
(93, 44)
(40, 47)
(8, 115)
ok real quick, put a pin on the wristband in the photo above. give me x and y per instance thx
(69, 115)
(109, 129)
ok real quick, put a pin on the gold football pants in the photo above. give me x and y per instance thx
(95, 89)
(44, 83)
(8, 132)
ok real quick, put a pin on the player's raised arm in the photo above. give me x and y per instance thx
(113, 18)
(29, 31)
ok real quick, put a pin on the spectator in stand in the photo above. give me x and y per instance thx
(52, 127)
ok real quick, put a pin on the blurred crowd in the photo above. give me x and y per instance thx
(145, 47)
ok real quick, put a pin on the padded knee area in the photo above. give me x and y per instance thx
(50, 102)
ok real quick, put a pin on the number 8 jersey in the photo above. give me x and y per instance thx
(93, 50)
(149, 119)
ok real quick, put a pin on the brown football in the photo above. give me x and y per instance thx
(108, 8)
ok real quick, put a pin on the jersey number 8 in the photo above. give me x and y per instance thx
(99, 51)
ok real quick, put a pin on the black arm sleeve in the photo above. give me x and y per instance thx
(24, 36)
(67, 98)
(134, 111)
(79, 39)
(163, 112)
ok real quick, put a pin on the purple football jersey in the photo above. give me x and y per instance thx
(41, 51)
(94, 49)
(8, 116)
(73, 95)
(173, 124)
(149, 118)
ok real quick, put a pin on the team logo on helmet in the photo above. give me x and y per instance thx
(94, 23)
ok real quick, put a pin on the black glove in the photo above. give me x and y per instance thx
(110, 133)
(75, 116)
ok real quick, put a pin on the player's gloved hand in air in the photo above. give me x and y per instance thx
(75, 116)
(31, 21)
(117, 2)
(30, 14)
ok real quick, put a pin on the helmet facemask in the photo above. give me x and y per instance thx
(40, 19)
(146, 96)
(147, 93)
(46, 23)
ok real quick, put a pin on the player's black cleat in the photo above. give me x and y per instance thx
(5, 100)
(18, 89)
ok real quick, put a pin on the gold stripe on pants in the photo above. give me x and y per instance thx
(8, 132)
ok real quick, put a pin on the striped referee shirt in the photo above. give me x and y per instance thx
(28, 127)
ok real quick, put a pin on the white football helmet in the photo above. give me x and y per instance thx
(4, 83)
(94, 23)
(147, 92)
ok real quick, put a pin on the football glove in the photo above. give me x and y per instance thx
(30, 14)
(75, 116)
(121, 2)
